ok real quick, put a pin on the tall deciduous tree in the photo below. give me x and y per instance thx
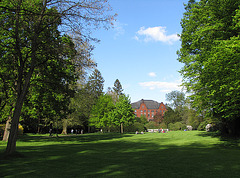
(210, 52)
(27, 27)
(100, 114)
(171, 116)
(158, 118)
(123, 113)
(176, 98)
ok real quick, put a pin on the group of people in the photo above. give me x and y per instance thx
(76, 131)
(139, 133)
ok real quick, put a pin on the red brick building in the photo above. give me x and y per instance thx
(148, 108)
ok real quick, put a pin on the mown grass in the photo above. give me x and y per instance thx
(173, 154)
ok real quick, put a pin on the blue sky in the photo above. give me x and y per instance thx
(141, 50)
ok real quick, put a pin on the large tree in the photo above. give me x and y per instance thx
(95, 84)
(27, 27)
(210, 51)
(100, 114)
(118, 88)
(123, 112)
(176, 98)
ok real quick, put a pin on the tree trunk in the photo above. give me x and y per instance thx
(64, 131)
(11, 146)
(7, 129)
(121, 128)
(38, 126)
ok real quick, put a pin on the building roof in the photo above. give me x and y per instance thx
(149, 103)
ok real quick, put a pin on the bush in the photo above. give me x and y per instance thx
(202, 126)
(177, 126)
(163, 125)
(152, 125)
(20, 129)
(137, 126)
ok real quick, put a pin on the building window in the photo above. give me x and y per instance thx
(142, 106)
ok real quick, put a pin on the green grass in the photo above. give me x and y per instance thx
(173, 154)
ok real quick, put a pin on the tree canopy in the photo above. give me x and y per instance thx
(30, 34)
(210, 53)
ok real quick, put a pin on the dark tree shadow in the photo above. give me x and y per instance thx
(227, 141)
(105, 156)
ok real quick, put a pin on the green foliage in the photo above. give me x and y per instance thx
(171, 116)
(210, 51)
(2, 128)
(176, 98)
(152, 125)
(33, 50)
(100, 114)
(95, 84)
(142, 119)
(105, 114)
(163, 125)
(123, 112)
(136, 126)
(177, 126)
(118, 88)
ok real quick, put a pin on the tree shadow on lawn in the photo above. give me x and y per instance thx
(123, 158)
(226, 142)
(70, 138)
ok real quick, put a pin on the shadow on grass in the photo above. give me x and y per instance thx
(227, 142)
(66, 138)
(119, 156)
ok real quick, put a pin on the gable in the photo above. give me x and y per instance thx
(150, 104)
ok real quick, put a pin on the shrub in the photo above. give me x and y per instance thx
(137, 126)
(177, 126)
(20, 129)
(152, 125)
(163, 125)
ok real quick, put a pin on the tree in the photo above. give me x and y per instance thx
(81, 105)
(43, 100)
(117, 88)
(171, 116)
(210, 52)
(95, 84)
(123, 113)
(26, 27)
(158, 118)
(100, 114)
(177, 98)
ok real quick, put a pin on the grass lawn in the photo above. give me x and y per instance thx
(173, 154)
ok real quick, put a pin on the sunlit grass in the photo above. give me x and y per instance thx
(173, 154)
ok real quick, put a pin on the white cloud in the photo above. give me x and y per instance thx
(162, 86)
(156, 34)
(152, 74)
